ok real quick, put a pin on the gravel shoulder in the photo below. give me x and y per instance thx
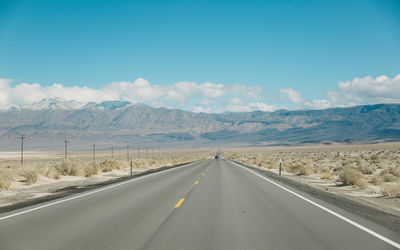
(366, 203)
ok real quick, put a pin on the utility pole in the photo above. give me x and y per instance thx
(127, 153)
(94, 154)
(131, 163)
(66, 149)
(280, 166)
(112, 152)
(22, 137)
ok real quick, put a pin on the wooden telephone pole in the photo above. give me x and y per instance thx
(127, 153)
(22, 137)
(66, 149)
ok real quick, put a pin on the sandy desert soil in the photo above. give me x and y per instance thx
(367, 173)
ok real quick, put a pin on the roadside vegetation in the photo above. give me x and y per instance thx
(363, 167)
(34, 170)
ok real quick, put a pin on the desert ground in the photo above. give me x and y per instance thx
(370, 173)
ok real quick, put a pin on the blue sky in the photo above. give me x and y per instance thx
(294, 54)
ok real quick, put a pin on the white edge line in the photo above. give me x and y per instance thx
(381, 237)
(92, 192)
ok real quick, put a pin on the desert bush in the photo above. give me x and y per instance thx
(292, 168)
(338, 169)
(376, 180)
(5, 179)
(391, 190)
(90, 170)
(31, 177)
(107, 165)
(63, 168)
(75, 170)
(50, 172)
(350, 176)
(327, 175)
(305, 170)
(367, 169)
(395, 171)
(388, 178)
(361, 183)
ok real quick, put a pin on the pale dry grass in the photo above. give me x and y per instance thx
(81, 165)
(357, 165)
(391, 190)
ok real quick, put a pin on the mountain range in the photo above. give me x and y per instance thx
(47, 123)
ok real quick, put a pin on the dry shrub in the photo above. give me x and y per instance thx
(367, 169)
(6, 177)
(389, 178)
(350, 176)
(292, 168)
(50, 172)
(391, 190)
(271, 165)
(75, 170)
(395, 171)
(361, 183)
(63, 168)
(90, 170)
(138, 164)
(31, 177)
(338, 169)
(376, 180)
(305, 170)
(327, 175)
(107, 165)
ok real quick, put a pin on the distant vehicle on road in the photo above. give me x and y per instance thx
(218, 156)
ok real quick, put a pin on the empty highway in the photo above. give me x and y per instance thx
(211, 204)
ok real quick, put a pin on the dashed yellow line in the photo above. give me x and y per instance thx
(197, 182)
(179, 203)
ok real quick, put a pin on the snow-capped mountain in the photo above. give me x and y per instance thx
(61, 104)
(141, 125)
(108, 105)
(55, 104)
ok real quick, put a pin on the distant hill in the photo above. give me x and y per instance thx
(48, 122)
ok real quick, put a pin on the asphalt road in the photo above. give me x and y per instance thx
(212, 204)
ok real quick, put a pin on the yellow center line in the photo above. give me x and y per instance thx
(203, 174)
(179, 203)
(197, 182)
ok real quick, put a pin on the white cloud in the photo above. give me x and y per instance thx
(366, 90)
(291, 95)
(239, 105)
(204, 97)
(262, 106)
(359, 91)
(318, 104)
(4, 89)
